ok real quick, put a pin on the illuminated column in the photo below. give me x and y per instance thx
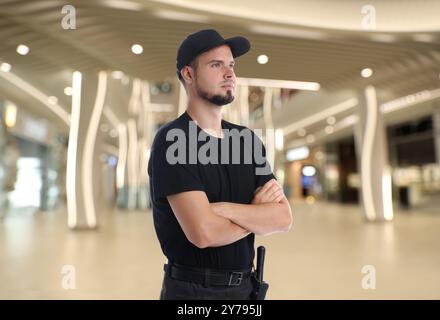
(372, 151)
(268, 123)
(88, 99)
(183, 100)
(134, 110)
(145, 145)
(436, 127)
(244, 105)
(121, 167)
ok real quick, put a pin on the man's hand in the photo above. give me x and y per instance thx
(271, 191)
(268, 213)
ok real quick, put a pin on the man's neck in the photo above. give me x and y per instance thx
(208, 117)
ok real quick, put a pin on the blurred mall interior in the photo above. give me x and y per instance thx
(347, 97)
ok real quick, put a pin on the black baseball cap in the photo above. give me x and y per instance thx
(205, 40)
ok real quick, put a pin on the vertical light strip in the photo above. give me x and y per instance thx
(270, 134)
(72, 214)
(133, 104)
(146, 133)
(122, 156)
(367, 152)
(267, 107)
(183, 100)
(132, 162)
(279, 139)
(244, 105)
(387, 194)
(89, 148)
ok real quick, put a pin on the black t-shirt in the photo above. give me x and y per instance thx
(229, 182)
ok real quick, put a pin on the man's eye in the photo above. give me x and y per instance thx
(216, 64)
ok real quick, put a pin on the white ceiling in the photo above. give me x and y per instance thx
(305, 41)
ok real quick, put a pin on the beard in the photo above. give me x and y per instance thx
(216, 99)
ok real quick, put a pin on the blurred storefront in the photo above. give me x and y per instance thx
(32, 161)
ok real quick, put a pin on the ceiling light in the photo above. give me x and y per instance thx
(310, 138)
(329, 129)
(424, 37)
(5, 67)
(122, 5)
(297, 154)
(52, 100)
(302, 132)
(117, 74)
(22, 49)
(137, 49)
(331, 120)
(262, 59)
(308, 171)
(68, 91)
(366, 72)
(382, 37)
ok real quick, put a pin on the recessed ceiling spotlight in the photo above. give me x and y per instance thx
(22, 49)
(137, 49)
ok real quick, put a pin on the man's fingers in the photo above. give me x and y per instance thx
(272, 188)
(273, 193)
(269, 194)
(279, 198)
(266, 186)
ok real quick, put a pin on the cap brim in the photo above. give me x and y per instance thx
(239, 45)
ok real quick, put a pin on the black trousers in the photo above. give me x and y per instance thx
(173, 289)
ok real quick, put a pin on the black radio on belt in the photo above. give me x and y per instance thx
(260, 287)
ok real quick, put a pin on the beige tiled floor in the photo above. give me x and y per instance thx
(320, 258)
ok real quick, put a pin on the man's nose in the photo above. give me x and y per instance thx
(229, 73)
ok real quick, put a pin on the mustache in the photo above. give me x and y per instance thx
(229, 83)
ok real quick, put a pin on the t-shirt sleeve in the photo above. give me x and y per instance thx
(167, 178)
(263, 171)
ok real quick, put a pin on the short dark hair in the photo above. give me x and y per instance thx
(193, 64)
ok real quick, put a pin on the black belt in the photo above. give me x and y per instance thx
(207, 277)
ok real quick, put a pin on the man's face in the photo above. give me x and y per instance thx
(214, 79)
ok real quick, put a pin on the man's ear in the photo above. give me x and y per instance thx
(187, 74)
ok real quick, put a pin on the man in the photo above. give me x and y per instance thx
(206, 214)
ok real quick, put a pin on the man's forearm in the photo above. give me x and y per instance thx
(261, 219)
(224, 231)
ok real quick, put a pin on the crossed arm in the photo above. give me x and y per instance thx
(217, 224)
